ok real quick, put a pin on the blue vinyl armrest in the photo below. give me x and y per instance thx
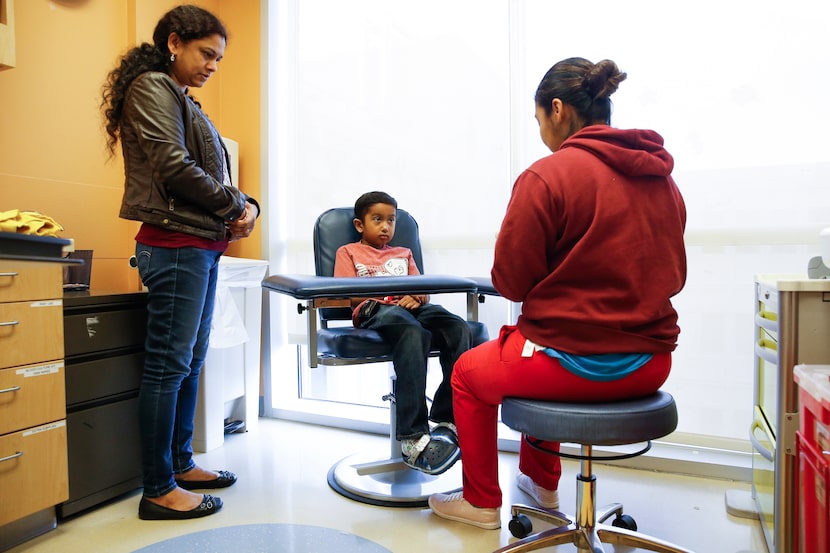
(484, 285)
(310, 287)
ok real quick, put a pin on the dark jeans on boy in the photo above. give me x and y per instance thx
(413, 334)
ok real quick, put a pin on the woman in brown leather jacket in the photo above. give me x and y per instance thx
(177, 184)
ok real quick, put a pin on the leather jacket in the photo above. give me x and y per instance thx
(173, 165)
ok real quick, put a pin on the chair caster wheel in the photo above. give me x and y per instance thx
(520, 526)
(625, 521)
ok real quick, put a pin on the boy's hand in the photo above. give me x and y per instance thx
(412, 302)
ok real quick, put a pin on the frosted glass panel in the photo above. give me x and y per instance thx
(395, 96)
(729, 84)
(733, 87)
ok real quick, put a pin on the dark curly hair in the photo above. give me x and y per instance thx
(584, 85)
(189, 23)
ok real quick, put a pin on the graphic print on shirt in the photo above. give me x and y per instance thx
(391, 267)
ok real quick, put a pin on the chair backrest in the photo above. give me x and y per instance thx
(335, 228)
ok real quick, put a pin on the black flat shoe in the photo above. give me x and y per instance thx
(147, 510)
(225, 479)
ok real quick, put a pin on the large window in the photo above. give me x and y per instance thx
(431, 101)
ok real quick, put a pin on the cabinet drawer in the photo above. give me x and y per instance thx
(104, 453)
(104, 330)
(30, 332)
(21, 280)
(100, 379)
(31, 395)
(33, 470)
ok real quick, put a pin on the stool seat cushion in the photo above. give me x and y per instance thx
(612, 423)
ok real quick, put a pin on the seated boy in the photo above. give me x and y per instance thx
(411, 324)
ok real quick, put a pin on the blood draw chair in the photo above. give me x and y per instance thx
(332, 340)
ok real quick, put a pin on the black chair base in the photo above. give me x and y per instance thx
(370, 478)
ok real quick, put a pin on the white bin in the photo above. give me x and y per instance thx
(229, 385)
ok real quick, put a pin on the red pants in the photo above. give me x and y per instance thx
(484, 375)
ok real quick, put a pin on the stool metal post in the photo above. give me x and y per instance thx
(586, 492)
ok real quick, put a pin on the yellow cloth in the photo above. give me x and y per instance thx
(28, 222)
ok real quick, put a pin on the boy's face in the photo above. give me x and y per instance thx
(378, 225)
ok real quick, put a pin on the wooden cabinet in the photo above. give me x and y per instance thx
(33, 454)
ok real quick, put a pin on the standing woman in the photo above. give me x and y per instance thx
(592, 245)
(177, 184)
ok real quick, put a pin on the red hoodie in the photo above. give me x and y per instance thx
(592, 245)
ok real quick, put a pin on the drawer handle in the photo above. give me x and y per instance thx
(9, 323)
(10, 457)
(765, 352)
(765, 453)
(12, 389)
(767, 320)
(9, 274)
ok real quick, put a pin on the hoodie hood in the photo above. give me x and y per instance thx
(635, 152)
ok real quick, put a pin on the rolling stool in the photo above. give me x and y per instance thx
(588, 424)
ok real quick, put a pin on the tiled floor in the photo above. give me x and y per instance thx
(282, 469)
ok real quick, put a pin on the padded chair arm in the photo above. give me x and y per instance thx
(485, 286)
(310, 287)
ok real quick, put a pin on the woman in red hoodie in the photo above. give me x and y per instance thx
(592, 246)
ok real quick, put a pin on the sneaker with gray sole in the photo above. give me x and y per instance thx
(549, 499)
(454, 507)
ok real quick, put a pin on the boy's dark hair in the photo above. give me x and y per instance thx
(367, 200)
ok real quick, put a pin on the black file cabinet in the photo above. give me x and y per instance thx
(104, 356)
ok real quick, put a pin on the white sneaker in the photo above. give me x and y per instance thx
(549, 499)
(454, 507)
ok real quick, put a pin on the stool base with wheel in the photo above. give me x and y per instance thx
(593, 424)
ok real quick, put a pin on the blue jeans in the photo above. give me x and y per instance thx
(181, 284)
(412, 335)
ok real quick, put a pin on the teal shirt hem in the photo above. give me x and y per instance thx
(605, 367)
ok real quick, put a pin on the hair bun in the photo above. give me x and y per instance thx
(603, 79)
